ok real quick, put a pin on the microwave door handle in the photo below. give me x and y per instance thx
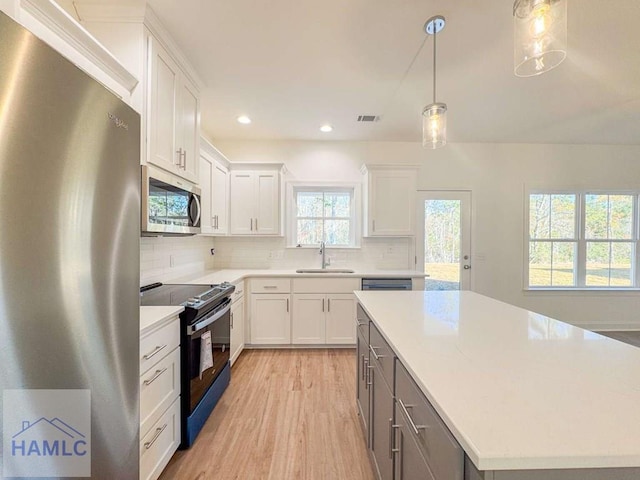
(194, 221)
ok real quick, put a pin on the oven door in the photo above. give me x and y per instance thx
(218, 323)
(169, 204)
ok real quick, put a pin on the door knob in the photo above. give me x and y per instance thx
(467, 267)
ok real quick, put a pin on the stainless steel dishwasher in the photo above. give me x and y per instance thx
(387, 284)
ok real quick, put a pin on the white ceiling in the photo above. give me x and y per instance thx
(292, 65)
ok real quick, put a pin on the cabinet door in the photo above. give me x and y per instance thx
(242, 203)
(161, 125)
(267, 219)
(237, 329)
(391, 202)
(381, 423)
(220, 195)
(340, 319)
(189, 130)
(362, 388)
(206, 174)
(270, 319)
(308, 323)
(409, 462)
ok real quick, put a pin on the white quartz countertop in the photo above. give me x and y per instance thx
(152, 318)
(517, 389)
(234, 275)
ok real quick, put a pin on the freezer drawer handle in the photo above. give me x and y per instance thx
(155, 376)
(155, 351)
(147, 445)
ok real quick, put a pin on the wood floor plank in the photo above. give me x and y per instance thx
(287, 414)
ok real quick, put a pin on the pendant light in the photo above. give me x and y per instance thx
(434, 115)
(540, 34)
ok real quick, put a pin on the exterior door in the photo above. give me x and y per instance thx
(443, 242)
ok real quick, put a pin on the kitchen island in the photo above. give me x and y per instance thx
(525, 396)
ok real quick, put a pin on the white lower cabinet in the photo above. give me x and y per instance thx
(340, 326)
(159, 398)
(237, 323)
(323, 319)
(160, 443)
(270, 319)
(308, 324)
(303, 311)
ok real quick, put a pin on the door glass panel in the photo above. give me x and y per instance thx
(442, 235)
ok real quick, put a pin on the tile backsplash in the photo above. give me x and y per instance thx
(165, 258)
(267, 252)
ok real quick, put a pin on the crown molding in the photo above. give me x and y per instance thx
(52, 16)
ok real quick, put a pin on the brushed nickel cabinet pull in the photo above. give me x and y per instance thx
(147, 445)
(155, 376)
(154, 352)
(416, 428)
(375, 355)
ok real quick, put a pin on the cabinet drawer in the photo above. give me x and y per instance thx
(158, 344)
(238, 294)
(270, 285)
(326, 285)
(380, 352)
(441, 450)
(159, 387)
(160, 443)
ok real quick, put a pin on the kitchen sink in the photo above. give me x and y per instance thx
(324, 270)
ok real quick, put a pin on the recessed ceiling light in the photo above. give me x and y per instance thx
(243, 119)
(326, 128)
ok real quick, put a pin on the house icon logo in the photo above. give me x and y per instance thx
(46, 437)
(46, 433)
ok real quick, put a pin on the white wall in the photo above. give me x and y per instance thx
(497, 175)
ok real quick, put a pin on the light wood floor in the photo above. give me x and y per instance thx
(288, 414)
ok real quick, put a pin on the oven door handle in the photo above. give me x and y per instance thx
(209, 320)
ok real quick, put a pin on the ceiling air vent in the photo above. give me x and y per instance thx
(368, 118)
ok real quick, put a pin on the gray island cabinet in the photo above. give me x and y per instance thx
(457, 386)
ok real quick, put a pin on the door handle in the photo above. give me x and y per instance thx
(467, 267)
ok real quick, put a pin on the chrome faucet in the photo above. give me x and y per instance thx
(322, 252)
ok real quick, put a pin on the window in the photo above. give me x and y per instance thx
(323, 214)
(583, 240)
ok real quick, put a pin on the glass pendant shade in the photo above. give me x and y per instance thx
(540, 35)
(434, 125)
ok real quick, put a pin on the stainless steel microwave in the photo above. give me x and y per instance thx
(170, 204)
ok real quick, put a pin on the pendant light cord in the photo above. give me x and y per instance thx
(404, 76)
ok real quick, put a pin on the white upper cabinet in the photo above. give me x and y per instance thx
(188, 129)
(168, 95)
(214, 183)
(255, 201)
(389, 206)
(173, 115)
(162, 98)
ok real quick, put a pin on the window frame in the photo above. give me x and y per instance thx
(580, 267)
(353, 189)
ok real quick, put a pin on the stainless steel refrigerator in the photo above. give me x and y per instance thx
(69, 268)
